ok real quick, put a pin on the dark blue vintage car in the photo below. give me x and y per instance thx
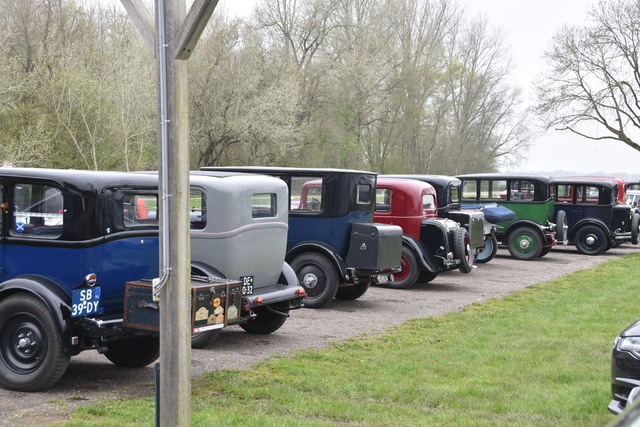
(333, 245)
(596, 220)
(71, 240)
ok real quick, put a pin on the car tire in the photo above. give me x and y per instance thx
(31, 354)
(462, 250)
(427, 276)
(353, 292)
(561, 226)
(203, 339)
(524, 243)
(133, 352)
(635, 223)
(410, 272)
(319, 278)
(545, 251)
(490, 250)
(265, 322)
(591, 240)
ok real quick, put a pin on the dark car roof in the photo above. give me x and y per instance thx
(279, 169)
(82, 178)
(439, 180)
(509, 176)
(587, 181)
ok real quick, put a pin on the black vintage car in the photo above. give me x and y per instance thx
(333, 245)
(596, 220)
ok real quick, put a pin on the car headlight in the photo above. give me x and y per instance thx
(630, 344)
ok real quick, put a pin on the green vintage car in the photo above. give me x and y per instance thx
(531, 233)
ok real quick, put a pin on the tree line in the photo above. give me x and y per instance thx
(414, 86)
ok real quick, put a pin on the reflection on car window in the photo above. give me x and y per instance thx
(469, 190)
(197, 210)
(263, 205)
(363, 195)
(140, 209)
(522, 190)
(383, 200)
(306, 193)
(38, 211)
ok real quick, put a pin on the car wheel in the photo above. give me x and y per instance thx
(203, 339)
(265, 322)
(635, 223)
(409, 274)
(427, 276)
(489, 251)
(524, 243)
(133, 352)
(590, 240)
(561, 226)
(352, 292)
(462, 250)
(31, 355)
(318, 277)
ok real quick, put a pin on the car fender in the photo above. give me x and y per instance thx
(444, 228)
(323, 249)
(422, 253)
(593, 222)
(288, 276)
(525, 223)
(202, 269)
(57, 300)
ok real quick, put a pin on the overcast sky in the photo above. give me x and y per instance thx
(528, 27)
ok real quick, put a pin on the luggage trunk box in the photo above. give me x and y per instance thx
(374, 246)
(215, 303)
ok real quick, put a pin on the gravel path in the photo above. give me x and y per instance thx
(91, 377)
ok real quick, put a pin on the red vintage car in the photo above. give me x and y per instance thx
(430, 244)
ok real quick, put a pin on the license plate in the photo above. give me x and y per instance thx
(247, 285)
(85, 301)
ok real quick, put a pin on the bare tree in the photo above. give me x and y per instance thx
(592, 82)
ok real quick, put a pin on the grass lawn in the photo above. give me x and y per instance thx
(539, 357)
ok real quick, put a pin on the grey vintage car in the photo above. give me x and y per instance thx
(239, 226)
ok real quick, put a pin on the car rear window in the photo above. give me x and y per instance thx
(38, 211)
(197, 209)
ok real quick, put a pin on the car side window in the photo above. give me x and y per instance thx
(469, 190)
(306, 193)
(263, 205)
(383, 200)
(522, 190)
(38, 211)
(493, 189)
(564, 193)
(140, 209)
(197, 209)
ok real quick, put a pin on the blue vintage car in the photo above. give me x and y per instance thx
(333, 245)
(596, 220)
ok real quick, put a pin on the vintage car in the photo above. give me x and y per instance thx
(333, 245)
(448, 201)
(430, 244)
(625, 367)
(531, 233)
(93, 234)
(596, 220)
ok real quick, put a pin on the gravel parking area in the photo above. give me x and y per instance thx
(91, 377)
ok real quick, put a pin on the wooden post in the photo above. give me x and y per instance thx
(181, 33)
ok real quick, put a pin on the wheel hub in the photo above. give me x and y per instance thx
(26, 342)
(590, 240)
(524, 244)
(310, 280)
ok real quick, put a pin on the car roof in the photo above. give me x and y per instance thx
(596, 182)
(509, 176)
(440, 180)
(404, 184)
(81, 178)
(282, 169)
